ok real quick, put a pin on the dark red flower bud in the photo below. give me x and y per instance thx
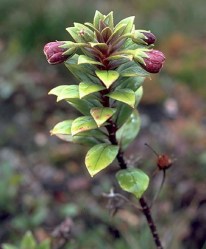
(150, 38)
(54, 54)
(154, 61)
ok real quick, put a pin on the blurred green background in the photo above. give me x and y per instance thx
(43, 180)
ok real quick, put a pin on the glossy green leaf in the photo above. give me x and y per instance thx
(128, 22)
(132, 69)
(100, 46)
(134, 181)
(28, 241)
(102, 114)
(83, 105)
(109, 20)
(97, 17)
(83, 72)
(117, 32)
(107, 77)
(132, 83)
(128, 132)
(83, 124)
(66, 92)
(100, 156)
(57, 90)
(83, 59)
(91, 26)
(122, 114)
(46, 244)
(126, 96)
(138, 94)
(8, 246)
(90, 138)
(119, 57)
(74, 32)
(84, 31)
(86, 88)
(63, 128)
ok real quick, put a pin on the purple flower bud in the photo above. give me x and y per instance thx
(150, 38)
(154, 61)
(54, 54)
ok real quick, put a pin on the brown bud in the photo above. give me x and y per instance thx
(164, 162)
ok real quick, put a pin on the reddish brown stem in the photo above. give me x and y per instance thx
(146, 211)
(112, 128)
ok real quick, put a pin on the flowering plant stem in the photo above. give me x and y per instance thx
(111, 67)
(143, 203)
(112, 128)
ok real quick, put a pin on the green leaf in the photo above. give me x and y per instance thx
(46, 244)
(109, 20)
(84, 31)
(90, 25)
(8, 246)
(63, 128)
(83, 59)
(83, 72)
(128, 132)
(86, 88)
(138, 94)
(83, 105)
(132, 69)
(134, 181)
(74, 32)
(132, 83)
(97, 17)
(90, 138)
(122, 114)
(100, 46)
(124, 95)
(128, 22)
(99, 157)
(102, 114)
(117, 32)
(28, 241)
(107, 77)
(66, 92)
(83, 124)
(57, 90)
(119, 57)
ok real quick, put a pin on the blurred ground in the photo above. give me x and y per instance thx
(44, 181)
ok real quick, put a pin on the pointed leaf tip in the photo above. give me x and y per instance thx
(102, 114)
(82, 124)
(107, 77)
(86, 88)
(126, 96)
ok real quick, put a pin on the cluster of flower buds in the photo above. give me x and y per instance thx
(107, 45)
